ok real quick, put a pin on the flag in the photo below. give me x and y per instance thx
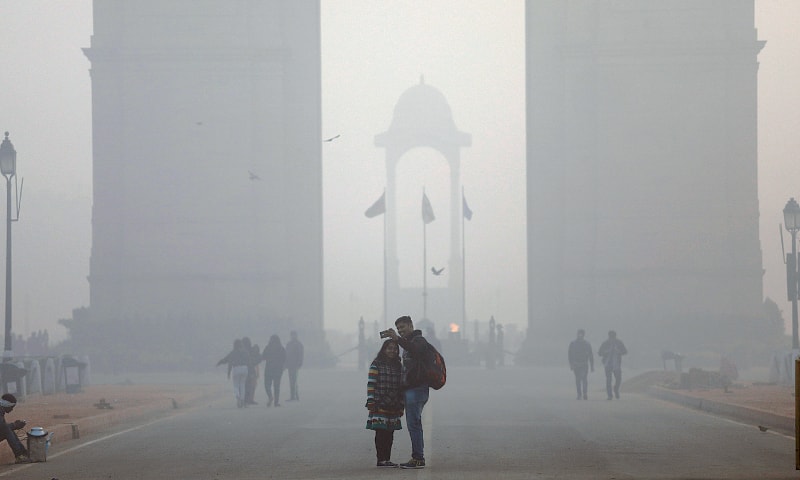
(427, 210)
(377, 208)
(467, 211)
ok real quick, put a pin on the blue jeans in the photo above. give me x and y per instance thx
(416, 398)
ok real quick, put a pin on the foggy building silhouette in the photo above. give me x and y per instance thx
(191, 101)
(641, 165)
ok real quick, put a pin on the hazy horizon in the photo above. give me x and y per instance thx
(473, 52)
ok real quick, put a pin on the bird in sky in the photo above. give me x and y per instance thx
(437, 272)
(253, 176)
(332, 138)
(763, 428)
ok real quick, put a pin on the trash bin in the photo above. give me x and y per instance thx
(38, 441)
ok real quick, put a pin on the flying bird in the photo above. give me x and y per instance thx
(437, 272)
(763, 428)
(253, 176)
(332, 138)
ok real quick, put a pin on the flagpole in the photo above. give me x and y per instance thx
(424, 265)
(463, 266)
(385, 304)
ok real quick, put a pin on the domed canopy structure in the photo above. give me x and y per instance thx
(423, 114)
(422, 118)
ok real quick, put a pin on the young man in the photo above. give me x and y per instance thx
(415, 350)
(611, 351)
(7, 404)
(294, 360)
(580, 359)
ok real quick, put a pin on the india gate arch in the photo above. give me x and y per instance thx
(173, 96)
(423, 118)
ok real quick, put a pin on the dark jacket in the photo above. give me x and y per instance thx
(274, 356)
(415, 354)
(294, 354)
(611, 351)
(235, 358)
(580, 354)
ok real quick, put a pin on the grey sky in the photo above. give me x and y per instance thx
(471, 50)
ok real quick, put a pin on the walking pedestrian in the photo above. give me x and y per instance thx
(611, 351)
(385, 400)
(581, 359)
(274, 356)
(253, 374)
(237, 361)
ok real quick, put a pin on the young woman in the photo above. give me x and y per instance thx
(385, 400)
(274, 356)
(237, 361)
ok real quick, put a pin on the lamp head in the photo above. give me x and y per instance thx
(8, 158)
(791, 215)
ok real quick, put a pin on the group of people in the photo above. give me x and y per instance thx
(581, 359)
(394, 387)
(244, 362)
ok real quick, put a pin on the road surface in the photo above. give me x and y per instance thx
(510, 423)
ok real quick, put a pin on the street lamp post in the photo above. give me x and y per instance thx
(791, 220)
(8, 167)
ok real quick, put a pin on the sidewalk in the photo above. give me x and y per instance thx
(768, 405)
(72, 415)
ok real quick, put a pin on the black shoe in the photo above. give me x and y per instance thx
(387, 464)
(23, 458)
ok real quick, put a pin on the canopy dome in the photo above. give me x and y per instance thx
(422, 111)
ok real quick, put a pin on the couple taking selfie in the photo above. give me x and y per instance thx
(398, 385)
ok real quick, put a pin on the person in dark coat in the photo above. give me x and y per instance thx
(581, 359)
(274, 356)
(611, 351)
(385, 400)
(294, 360)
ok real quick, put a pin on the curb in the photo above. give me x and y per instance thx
(754, 416)
(66, 432)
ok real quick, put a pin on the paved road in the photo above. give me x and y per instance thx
(511, 423)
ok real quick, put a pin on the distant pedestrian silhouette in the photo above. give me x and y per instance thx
(274, 356)
(581, 359)
(611, 351)
(237, 361)
(294, 360)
